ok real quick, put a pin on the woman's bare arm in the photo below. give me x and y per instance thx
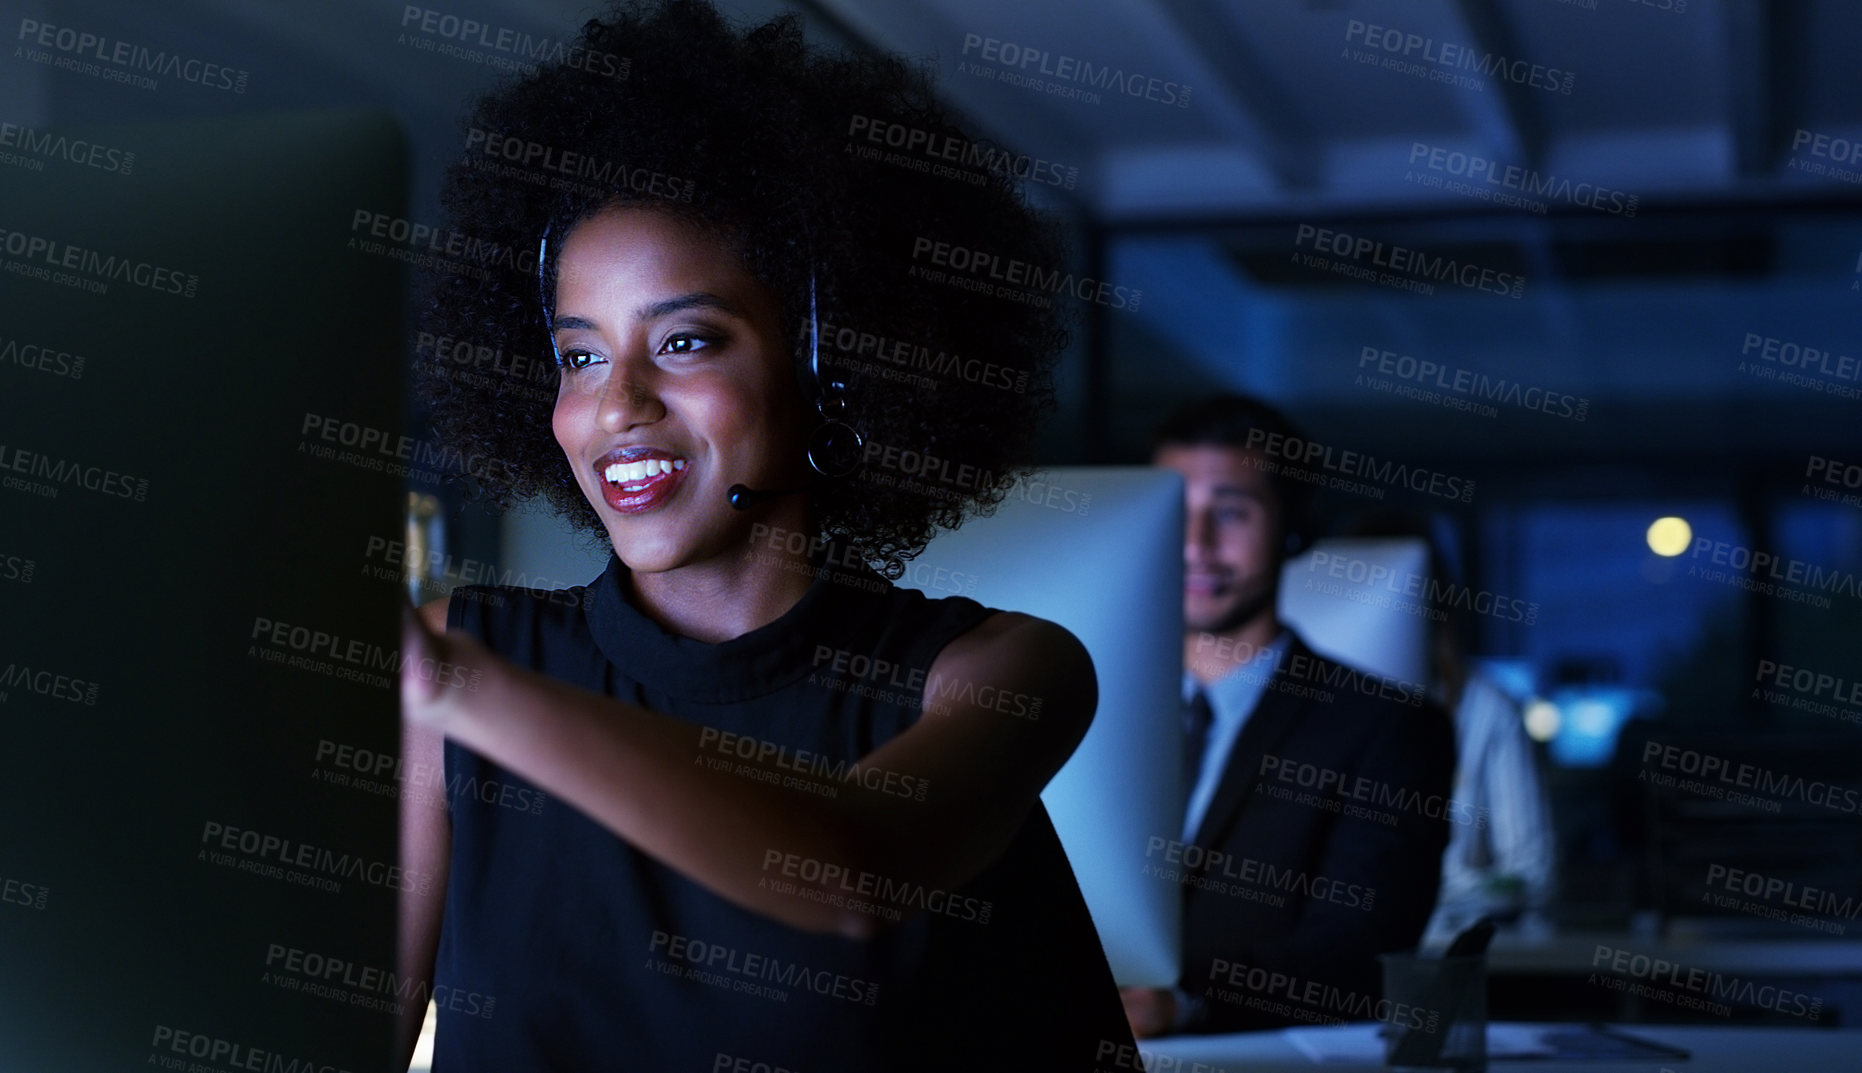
(426, 849)
(644, 776)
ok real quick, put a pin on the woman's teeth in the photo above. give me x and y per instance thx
(625, 473)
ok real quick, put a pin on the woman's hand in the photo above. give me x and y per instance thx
(439, 671)
(1150, 1010)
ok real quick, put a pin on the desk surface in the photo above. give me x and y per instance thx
(1715, 1049)
(1577, 952)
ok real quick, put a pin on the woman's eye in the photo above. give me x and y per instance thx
(575, 360)
(685, 343)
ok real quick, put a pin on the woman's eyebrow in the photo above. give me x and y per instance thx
(694, 300)
(666, 307)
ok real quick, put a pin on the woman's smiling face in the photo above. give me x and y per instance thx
(677, 383)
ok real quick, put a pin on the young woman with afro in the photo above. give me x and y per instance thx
(776, 819)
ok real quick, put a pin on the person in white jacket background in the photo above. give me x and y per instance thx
(1504, 863)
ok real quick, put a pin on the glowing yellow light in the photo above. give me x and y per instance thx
(1670, 536)
(1542, 720)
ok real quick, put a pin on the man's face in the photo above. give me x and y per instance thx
(1232, 537)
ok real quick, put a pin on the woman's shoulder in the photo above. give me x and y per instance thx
(1023, 664)
(975, 633)
(1019, 634)
(479, 609)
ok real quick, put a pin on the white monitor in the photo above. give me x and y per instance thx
(1100, 551)
(1363, 602)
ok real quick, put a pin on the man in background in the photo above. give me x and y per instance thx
(1317, 808)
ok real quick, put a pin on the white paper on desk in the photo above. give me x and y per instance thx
(1364, 1043)
(1341, 1043)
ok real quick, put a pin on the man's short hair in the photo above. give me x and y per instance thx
(1233, 421)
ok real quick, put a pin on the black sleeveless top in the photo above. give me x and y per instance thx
(564, 948)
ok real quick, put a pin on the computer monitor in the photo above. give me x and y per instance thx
(200, 631)
(1364, 603)
(1100, 551)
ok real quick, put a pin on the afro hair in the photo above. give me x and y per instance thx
(769, 145)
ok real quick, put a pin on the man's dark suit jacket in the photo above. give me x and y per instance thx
(1357, 862)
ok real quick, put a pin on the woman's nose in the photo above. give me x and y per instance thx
(628, 399)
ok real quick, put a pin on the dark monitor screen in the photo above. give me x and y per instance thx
(200, 386)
